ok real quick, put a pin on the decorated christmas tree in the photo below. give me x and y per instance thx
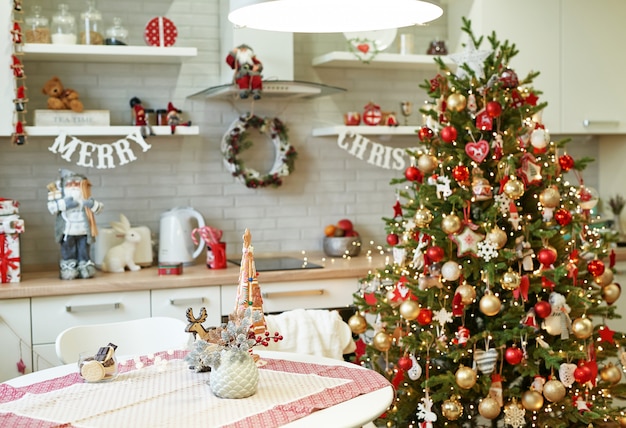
(493, 310)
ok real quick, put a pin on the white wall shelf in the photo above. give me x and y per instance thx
(283, 89)
(96, 131)
(366, 130)
(105, 53)
(382, 60)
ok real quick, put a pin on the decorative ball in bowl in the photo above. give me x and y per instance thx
(342, 246)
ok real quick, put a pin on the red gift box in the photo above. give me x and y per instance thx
(170, 269)
(8, 206)
(10, 264)
(160, 31)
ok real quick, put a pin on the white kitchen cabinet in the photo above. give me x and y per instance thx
(174, 303)
(593, 93)
(15, 337)
(283, 296)
(52, 315)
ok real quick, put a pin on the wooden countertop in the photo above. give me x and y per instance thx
(47, 283)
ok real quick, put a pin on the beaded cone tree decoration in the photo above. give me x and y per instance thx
(493, 311)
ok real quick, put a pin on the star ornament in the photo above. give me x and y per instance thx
(606, 334)
(530, 170)
(472, 58)
(467, 242)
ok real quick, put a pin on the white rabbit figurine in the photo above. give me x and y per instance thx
(122, 255)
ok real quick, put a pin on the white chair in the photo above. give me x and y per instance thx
(135, 337)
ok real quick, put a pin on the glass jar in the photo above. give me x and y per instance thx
(37, 29)
(116, 34)
(90, 23)
(63, 27)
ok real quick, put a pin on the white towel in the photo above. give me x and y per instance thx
(311, 331)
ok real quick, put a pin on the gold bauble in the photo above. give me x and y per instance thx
(467, 292)
(423, 217)
(489, 408)
(611, 292)
(357, 323)
(532, 400)
(582, 327)
(465, 377)
(605, 279)
(456, 102)
(622, 421)
(611, 374)
(550, 197)
(451, 224)
(511, 280)
(490, 304)
(554, 390)
(409, 309)
(382, 341)
(427, 163)
(452, 409)
(514, 188)
(498, 237)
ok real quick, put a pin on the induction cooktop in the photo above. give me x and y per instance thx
(279, 263)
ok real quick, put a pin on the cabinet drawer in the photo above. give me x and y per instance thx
(174, 303)
(283, 296)
(44, 357)
(52, 315)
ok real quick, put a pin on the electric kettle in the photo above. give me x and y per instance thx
(175, 242)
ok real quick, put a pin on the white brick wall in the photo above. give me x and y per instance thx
(328, 183)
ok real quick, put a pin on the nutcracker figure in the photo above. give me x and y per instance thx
(248, 70)
(69, 198)
(139, 117)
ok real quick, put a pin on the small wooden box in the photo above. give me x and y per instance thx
(70, 118)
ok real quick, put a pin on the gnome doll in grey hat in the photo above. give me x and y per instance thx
(69, 198)
(248, 70)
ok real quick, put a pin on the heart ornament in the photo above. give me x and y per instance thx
(478, 150)
(566, 374)
(363, 47)
(486, 360)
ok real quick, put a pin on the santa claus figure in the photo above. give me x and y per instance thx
(69, 198)
(247, 71)
(139, 117)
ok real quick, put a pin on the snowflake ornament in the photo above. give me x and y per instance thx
(514, 415)
(443, 316)
(487, 249)
(503, 202)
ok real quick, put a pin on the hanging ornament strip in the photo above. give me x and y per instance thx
(18, 137)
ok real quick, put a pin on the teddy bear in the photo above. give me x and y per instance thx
(60, 98)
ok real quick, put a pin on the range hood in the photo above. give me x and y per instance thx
(274, 49)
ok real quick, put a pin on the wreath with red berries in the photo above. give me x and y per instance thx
(236, 140)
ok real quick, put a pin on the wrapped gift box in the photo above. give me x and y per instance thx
(9, 206)
(10, 264)
(11, 224)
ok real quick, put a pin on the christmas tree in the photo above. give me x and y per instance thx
(493, 310)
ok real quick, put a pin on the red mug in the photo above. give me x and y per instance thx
(216, 256)
(351, 118)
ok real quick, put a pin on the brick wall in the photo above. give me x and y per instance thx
(328, 183)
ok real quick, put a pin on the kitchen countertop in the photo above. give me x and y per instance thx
(47, 283)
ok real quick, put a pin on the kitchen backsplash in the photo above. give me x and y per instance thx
(328, 183)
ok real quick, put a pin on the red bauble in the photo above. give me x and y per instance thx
(435, 253)
(494, 109)
(583, 374)
(448, 134)
(425, 316)
(413, 174)
(595, 267)
(405, 363)
(513, 355)
(543, 309)
(425, 133)
(392, 239)
(547, 256)
(460, 173)
(566, 162)
(509, 78)
(563, 217)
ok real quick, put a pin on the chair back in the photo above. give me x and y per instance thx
(135, 337)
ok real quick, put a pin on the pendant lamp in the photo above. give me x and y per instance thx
(331, 16)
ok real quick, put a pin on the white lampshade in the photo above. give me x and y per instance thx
(331, 16)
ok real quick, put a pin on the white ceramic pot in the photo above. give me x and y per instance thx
(236, 376)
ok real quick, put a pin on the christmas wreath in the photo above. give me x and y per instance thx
(236, 140)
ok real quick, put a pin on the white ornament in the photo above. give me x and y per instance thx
(566, 374)
(558, 322)
(514, 416)
(443, 316)
(416, 370)
(539, 138)
(487, 250)
(503, 202)
(399, 255)
(443, 185)
(486, 360)
(472, 58)
(451, 270)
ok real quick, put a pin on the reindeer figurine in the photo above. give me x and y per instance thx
(195, 326)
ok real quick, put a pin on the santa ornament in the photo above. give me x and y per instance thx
(248, 70)
(372, 114)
